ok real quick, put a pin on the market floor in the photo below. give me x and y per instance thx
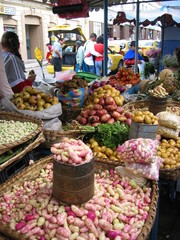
(169, 213)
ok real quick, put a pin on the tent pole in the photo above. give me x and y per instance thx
(137, 36)
(105, 37)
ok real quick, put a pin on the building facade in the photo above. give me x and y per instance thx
(31, 19)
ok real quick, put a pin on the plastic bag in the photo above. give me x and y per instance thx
(65, 75)
(123, 172)
(149, 171)
(168, 132)
(138, 150)
(74, 98)
(168, 120)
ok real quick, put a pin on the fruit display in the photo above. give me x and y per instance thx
(32, 99)
(145, 117)
(169, 150)
(75, 83)
(159, 92)
(118, 209)
(125, 76)
(101, 151)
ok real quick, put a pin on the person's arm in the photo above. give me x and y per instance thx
(92, 50)
(5, 88)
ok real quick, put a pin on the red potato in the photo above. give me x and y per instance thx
(115, 115)
(97, 106)
(120, 110)
(112, 107)
(111, 120)
(81, 120)
(109, 101)
(100, 113)
(93, 119)
(105, 118)
(128, 122)
(101, 101)
(84, 113)
(128, 114)
(92, 112)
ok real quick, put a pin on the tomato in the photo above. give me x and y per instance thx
(137, 75)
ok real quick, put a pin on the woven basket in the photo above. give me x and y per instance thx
(32, 172)
(69, 114)
(52, 136)
(144, 105)
(40, 139)
(22, 118)
(170, 174)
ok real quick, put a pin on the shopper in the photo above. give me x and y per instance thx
(79, 56)
(129, 59)
(90, 53)
(13, 63)
(57, 55)
(49, 52)
(5, 88)
(99, 47)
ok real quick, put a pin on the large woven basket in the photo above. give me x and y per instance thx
(170, 174)
(39, 139)
(22, 118)
(144, 105)
(53, 136)
(69, 114)
(33, 171)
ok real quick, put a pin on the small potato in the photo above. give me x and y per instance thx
(138, 118)
(147, 120)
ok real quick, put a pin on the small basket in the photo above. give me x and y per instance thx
(32, 171)
(40, 139)
(52, 136)
(22, 118)
(171, 106)
(170, 174)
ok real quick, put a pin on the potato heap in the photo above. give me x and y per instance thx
(159, 92)
(103, 151)
(31, 99)
(169, 150)
(145, 117)
(104, 106)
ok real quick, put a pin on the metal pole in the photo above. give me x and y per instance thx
(105, 37)
(137, 36)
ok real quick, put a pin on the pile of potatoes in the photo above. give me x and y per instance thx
(169, 150)
(103, 151)
(106, 90)
(145, 117)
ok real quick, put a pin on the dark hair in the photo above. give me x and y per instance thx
(100, 39)
(93, 35)
(133, 44)
(79, 43)
(10, 40)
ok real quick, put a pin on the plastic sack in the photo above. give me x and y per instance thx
(138, 150)
(168, 120)
(168, 132)
(123, 172)
(65, 75)
(149, 171)
(74, 98)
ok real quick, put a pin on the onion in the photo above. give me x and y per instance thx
(91, 215)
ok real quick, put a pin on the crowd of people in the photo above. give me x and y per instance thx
(89, 58)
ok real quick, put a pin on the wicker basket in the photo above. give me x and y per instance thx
(170, 174)
(40, 139)
(22, 118)
(69, 114)
(52, 136)
(33, 171)
(144, 105)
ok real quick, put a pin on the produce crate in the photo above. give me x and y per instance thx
(33, 171)
(4, 115)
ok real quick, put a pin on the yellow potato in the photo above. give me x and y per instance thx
(147, 119)
(109, 152)
(138, 118)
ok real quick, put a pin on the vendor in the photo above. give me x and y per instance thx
(129, 59)
(13, 63)
(5, 88)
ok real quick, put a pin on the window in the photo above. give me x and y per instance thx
(97, 28)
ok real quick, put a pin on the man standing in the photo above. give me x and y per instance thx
(57, 55)
(90, 53)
